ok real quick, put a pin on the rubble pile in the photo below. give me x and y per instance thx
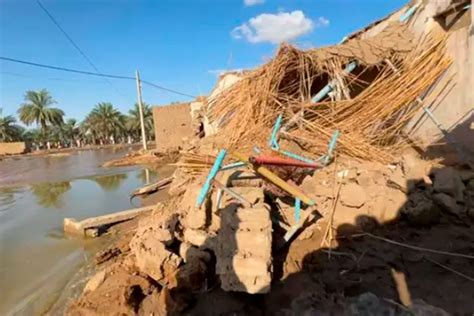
(182, 249)
(240, 240)
(412, 188)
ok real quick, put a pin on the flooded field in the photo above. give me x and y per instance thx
(36, 194)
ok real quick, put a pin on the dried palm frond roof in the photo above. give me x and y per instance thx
(246, 111)
(396, 38)
(372, 124)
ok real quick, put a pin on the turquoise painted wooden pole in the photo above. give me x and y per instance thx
(212, 174)
(330, 86)
(349, 68)
(234, 165)
(276, 128)
(295, 156)
(407, 15)
(234, 194)
(297, 210)
(332, 145)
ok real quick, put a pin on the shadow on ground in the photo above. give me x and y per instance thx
(355, 276)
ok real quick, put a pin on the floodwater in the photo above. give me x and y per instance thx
(36, 194)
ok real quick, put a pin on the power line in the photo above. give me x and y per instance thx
(89, 73)
(75, 45)
(169, 90)
(54, 79)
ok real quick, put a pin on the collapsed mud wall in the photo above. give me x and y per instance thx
(172, 124)
(454, 105)
(225, 81)
(12, 148)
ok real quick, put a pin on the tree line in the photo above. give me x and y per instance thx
(103, 125)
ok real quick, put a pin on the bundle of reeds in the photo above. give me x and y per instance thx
(194, 164)
(291, 78)
(371, 123)
(251, 105)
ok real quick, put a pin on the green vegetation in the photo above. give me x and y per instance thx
(9, 131)
(49, 194)
(104, 124)
(133, 122)
(37, 109)
(111, 182)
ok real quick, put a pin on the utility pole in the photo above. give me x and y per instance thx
(140, 109)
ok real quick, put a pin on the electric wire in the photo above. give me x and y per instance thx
(89, 61)
(89, 73)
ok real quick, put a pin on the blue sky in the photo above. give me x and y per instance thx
(175, 43)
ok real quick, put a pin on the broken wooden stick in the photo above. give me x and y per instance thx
(440, 252)
(450, 269)
(80, 228)
(402, 287)
(152, 187)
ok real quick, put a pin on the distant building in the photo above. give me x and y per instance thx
(173, 125)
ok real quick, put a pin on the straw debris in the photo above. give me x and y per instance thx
(370, 106)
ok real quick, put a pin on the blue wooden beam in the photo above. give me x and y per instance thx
(297, 210)
(234, 165)
(330, 86)
(273, 143)
(407, 15)
(212, 174)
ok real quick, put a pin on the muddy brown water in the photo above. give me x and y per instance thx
(36, 194)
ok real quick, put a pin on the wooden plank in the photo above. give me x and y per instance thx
(72, 226)
(273, 178)
(153, 187)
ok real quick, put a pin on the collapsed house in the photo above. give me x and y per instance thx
(373, 88)
(401, 82)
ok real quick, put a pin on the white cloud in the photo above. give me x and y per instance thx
(277, 28)
(322, 21)
(249, 3)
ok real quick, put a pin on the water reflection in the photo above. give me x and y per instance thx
(147, 175)
(49, 194)
(111, 182)
(7, 198)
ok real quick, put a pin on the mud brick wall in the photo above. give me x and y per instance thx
(172, 124)
(244, 253)
(12, 148)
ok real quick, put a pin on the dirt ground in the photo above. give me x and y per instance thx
(67, 151)
(140, 157)
(323, 278)
(314, 278)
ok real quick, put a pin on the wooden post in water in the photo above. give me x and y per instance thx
(140, 109)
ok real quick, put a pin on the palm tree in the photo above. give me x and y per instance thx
(56, 135)
(106, 122)
(9, 131)
(87, 132)
(70, 131)
(32, 136)
(133, 121)
(37, 109)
